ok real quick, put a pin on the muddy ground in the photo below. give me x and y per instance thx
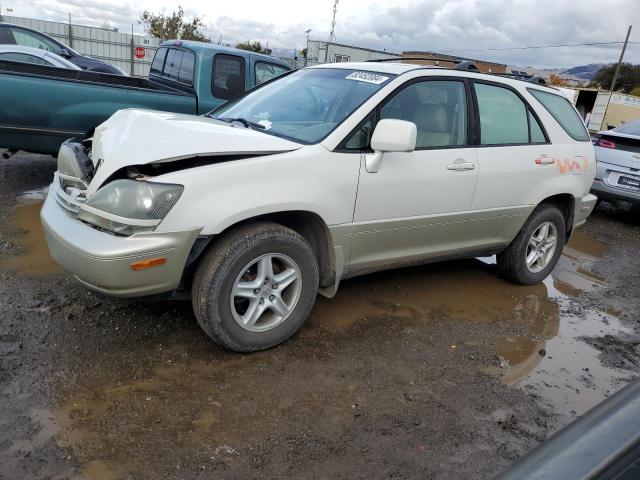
(441, 371)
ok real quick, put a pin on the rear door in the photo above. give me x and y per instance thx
(416, 205)
(514, 156)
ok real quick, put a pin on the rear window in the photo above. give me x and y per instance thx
(631, 128)
(176, 65)
(158, 61)
(564, 113)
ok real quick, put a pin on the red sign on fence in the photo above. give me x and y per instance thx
(139, 52)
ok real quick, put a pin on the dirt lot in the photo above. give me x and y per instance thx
(442, 371)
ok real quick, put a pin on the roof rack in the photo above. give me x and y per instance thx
(468, 66)
(402, 59)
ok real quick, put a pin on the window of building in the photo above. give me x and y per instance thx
(438, 108)
(503, 116)
(228, 76)
(564, 113)
(266, 71)
(341, 58)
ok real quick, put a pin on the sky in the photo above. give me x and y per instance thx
(456, 27)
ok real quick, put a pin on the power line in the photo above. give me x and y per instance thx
(590, 44)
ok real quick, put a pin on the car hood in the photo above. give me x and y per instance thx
(137, 137)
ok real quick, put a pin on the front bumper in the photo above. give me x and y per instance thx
(582, 209)
(102, 261)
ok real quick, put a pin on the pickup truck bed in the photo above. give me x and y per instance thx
(73, 98)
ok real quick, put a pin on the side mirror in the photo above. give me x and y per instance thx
(65, 53)
(390, 135)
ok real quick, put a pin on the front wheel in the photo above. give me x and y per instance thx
(534, 252)
(255, 287)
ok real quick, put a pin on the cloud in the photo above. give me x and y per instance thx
(453, 26)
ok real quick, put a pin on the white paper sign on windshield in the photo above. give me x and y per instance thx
(368, 77)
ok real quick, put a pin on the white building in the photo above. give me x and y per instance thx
(331, 52)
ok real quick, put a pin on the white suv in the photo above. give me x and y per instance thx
(322, 174)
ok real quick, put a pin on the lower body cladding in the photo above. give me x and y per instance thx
(617, 183)
(139, 265)
(582, 209)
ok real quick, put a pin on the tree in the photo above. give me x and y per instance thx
(253, 47)
(173, 26)
(636, 91)
(628, 79)
(557, 80)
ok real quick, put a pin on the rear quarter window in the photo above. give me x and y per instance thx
(158, 61)
(564, 113)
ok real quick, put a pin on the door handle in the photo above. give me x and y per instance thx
(545, 160)
(459, 165)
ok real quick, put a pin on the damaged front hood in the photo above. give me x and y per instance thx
(137, 137)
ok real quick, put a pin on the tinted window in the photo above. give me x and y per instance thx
(438, 108)
(23, 57)
(564, 113)
(503, 116)
(266, 71)
(537, 134)
(631, 128)
(228, 76)
(361, 138)
(158, 61)
(27, 38)
(172, 65)
(186, 68)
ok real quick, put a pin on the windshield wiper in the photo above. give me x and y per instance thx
(244, 121)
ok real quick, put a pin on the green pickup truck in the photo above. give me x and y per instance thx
(41, 106)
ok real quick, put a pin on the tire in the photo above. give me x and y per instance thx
(512, 262)
(227, 268)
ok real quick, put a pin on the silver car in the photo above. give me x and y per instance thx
(618, 165)
(18, 53)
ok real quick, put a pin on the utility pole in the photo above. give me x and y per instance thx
(306, 55)
(70, 32)
(615, 76)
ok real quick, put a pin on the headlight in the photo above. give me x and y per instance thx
(129, 206)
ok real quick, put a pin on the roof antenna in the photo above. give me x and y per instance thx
(332, 35)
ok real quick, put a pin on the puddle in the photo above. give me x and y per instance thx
(547, 356)
(25, 229)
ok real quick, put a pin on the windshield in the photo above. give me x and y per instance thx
(630, 128)
(306, 105)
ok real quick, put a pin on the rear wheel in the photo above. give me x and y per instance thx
(534, 252)
(255, 287)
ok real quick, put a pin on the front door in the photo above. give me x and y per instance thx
(417, 204)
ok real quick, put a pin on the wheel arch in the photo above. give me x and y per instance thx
(311, 227)
(565, 202)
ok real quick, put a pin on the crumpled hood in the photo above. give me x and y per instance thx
(136, 137)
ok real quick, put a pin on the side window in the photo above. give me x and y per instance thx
(503, 116)
(266, 71)
(27, 38)
(158, 61)
(360, 139)
(228, 76)
(23, 57)
(537, 135)
(564, 113)
(438, 108)
(186, 68)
